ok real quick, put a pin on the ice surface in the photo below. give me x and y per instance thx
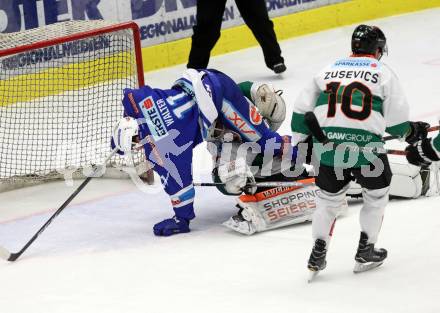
(100, 255)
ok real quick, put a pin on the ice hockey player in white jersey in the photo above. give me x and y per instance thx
(356, 100)
(269, 208)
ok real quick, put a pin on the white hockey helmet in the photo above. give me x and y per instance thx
(271, 105)
(123, 134)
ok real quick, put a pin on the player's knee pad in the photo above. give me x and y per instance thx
(371, 215)
(334, 203)
(376, 198)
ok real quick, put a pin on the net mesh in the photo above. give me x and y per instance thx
(60, 102)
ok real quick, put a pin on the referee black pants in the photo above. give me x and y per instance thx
(209, 21)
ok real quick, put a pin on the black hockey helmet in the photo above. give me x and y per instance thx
(367, 39)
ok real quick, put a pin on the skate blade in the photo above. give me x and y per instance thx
(312, 275)
(363, 267)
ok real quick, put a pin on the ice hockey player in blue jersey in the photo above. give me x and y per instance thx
(171, 122)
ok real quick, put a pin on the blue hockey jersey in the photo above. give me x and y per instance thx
(173, 121)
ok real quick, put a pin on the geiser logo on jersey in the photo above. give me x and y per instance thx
(155, 122)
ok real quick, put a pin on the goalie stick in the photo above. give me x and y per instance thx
(6, 255)
(317, 132)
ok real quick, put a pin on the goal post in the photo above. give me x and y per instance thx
(61, 88)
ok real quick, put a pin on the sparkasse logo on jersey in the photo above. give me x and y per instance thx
(154, 121)
(148, 103)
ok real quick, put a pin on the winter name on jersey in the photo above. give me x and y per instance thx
(157, 115)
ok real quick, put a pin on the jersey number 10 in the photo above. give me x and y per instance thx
(347, 100)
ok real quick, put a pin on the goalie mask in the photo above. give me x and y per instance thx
(124, 134)
(271, 105)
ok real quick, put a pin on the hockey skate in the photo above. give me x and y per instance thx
(241, 223)
(367, 257)
(317, 260)
(171, 226)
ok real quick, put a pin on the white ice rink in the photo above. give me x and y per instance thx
(100, 254)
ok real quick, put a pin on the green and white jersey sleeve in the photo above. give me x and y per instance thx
(395, 105)
(246, 89)
(436, 144)
(356, 100)
(305, 102)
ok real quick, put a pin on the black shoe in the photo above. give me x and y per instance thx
(279, 68)
(367, 253)
(317, 260)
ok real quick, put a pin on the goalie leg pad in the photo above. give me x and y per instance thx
(242, 222)
(432, 180)
(406, 182)
(274, 208)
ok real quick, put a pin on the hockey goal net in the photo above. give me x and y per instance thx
(61, 88)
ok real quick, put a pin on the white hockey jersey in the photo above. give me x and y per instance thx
(356, 100)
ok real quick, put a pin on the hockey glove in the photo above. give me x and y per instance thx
(236, 177)
(124, 135)
(421, 153)
(419, 131)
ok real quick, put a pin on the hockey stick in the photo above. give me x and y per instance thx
(306, 182)
(5, 254)
(318, 133)
(430, 129)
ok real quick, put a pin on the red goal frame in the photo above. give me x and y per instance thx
(81, 35)
(100, 30)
